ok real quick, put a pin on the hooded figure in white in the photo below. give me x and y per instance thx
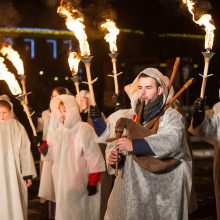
(208, 130)
(48, 124)
(16, 166)
(138, 193)
(76, 161)
(83, 100)
(46, 190)
(106, 180)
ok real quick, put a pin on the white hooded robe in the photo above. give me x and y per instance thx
(209, 131)
(16, 162)
(74, 154)
(139, 194)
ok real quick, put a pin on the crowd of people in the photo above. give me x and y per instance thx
(82, 151)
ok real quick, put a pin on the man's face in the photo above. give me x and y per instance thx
(4, 113)
(148, 89)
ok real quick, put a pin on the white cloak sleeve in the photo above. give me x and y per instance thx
(26, 157)
(167, 141)
(92, 152)
(207, 131)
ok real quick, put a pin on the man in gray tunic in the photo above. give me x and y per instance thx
(138, 193)
(205, 125)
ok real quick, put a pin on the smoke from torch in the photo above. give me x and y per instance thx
(205, 20)
(111, 37)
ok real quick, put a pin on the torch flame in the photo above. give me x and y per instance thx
(75, 24)
(73, 61)
(111, 37)
(203, 20)
(9, 78)
(14, 57)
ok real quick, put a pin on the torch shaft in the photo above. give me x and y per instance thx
(76, 84)
(29, 117)
(207, 57)
(204, 79)
(115, 75)
(89, 80)
(24, 91)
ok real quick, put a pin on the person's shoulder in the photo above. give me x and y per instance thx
(16, 124)
(46, 112)
(172, 112)
(15, 121)
(121, 113)
(216, 108)
(85, 126)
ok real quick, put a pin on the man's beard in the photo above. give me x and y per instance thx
(151, 109)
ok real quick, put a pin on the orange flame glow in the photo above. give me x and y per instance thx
(74, 22)
(203, 20)
(111, 37)
(14, 57)
(9, 78)
(73, 61)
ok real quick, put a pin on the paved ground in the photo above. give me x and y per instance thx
(203, 186)
(204, 182)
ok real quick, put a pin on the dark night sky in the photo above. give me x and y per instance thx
(153, 17)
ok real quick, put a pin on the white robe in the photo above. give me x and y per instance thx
(16, 162)
(209, 131)
(46, 125)
(74, 154)
(139, 194)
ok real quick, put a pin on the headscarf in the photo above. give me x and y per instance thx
(132, 89)
(72, 108)
(83, 94)
(7, 99)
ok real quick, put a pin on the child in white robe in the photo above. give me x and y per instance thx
(77, 161)
(16, 165)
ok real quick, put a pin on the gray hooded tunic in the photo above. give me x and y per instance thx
(139, 194)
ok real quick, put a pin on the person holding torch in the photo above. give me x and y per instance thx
(17, 167)
(205, 125)
(77, 161)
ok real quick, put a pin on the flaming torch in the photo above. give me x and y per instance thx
(16, 90)
(73, 61)
(111, 38)
(74, 22)
(15, 59)
(9, 78)
(209, 38)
